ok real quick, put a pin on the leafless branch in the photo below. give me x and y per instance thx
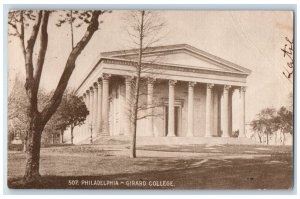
(30, 46)
(42, 50)
(70, 65)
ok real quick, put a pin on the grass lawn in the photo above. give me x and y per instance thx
(212, 167)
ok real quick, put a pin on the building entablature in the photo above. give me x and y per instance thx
(200, 68)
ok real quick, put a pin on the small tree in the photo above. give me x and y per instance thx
(71, 112)
(144, 30)
(284, 122)
(264, 124)
(258, 127)
(74, 112)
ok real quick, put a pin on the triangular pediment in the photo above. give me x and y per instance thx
(181, 55)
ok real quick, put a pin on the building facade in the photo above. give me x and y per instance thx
(185, 92)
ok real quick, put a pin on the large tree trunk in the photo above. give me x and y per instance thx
(35, 124)
(38, 120)
(33, 149)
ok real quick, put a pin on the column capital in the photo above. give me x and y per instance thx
(95, 85)
(192, 84)
(87, 92)
(172, 82)
(243, 89)
(128, 79)
(99, 83)
(91, 89)
(227, 87)
(106, 76)
(151, 80)
(99, 80)
(210, 86)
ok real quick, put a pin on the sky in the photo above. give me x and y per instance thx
(252, 39)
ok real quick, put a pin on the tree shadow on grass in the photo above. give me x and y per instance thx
(259, 173)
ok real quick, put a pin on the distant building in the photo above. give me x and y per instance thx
(183, 90)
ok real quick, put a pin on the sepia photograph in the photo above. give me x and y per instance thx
(150, 99)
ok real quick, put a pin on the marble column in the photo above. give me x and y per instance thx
(91, 126)
(99, 111)
(95, 110)
(230, 111)
(190, 132)
(215, 117)
(128, 107)
(219, 129)
(105, 104)
(242, 112)
(79, 128)
(208, 127)
(150, 83)
(226, 113)
(83, 127)
(171, 116)
(89, 109)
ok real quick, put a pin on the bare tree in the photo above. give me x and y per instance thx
(35, 23)
(144, 29)
(75, 19)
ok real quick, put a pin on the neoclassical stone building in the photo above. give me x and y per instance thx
(183, 88)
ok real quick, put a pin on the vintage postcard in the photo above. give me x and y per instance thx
(150, 99)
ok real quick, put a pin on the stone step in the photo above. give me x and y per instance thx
(193, 140)
(147, 140)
